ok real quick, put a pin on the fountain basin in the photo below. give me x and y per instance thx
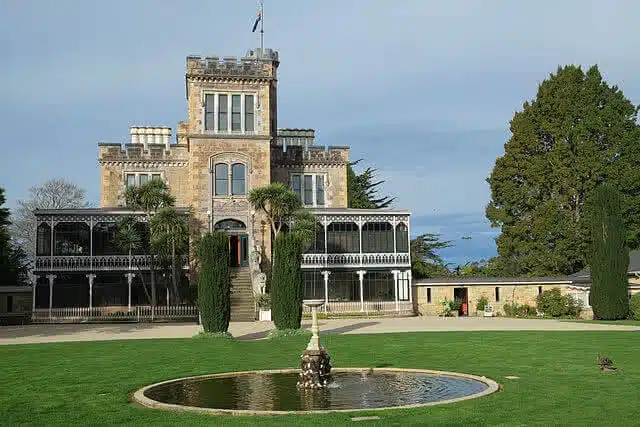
(274, 392)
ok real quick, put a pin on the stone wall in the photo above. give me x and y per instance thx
(333, 163)
(255, 154)
(116, 162)
(522, 294)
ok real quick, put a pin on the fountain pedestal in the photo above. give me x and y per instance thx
(315, 367)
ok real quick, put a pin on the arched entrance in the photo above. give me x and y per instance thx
(238, 241)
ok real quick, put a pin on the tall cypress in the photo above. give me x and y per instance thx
(287, 282)
(214, 286)
(609, 255)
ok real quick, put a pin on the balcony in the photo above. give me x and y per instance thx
(386, 260)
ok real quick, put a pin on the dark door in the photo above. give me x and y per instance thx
(239, 250)
(462, 295)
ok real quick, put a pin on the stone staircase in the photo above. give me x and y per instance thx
(242, 304)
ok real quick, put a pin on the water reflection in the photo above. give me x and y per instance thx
(350, 390)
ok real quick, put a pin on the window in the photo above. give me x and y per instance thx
(9, 303)
(317, 245)
(238, 179)
(43, 244)
(319, 190)
(539, 290)
(209, 112)
(222, 179)
(295, 184)
(223, 116)
(310, 188)
(377, 237)
(497, 294)
(402, 238)
(343, 237)
(234, 112)
(428, 295)
(248, 113)
(139, 178)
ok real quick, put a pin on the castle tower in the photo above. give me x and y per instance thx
(232, 124)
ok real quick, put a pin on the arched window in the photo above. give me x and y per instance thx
(402, 238)
(230, 225)
(238, 179)
(221, 179)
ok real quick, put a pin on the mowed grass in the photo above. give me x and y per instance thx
(88, 383)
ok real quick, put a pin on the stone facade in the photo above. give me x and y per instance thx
(188, 165)
(521, 293)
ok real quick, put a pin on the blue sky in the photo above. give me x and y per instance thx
(422, 90)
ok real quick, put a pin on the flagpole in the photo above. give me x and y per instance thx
(261, 27)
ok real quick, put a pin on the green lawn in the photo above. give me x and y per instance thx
(610, 322)
(88, 383)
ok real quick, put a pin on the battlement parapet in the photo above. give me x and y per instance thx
(256, 64)
(118, 153)
(310, 155)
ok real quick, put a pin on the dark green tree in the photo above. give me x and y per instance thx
(362, 189)
(14, 265)
(214, 286)
(577, 133)
(425, 260)
(609, 256)
(287, 281)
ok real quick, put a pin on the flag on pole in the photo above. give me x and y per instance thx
(258, 19)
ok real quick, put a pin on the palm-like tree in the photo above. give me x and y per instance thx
(128, 239)
(169, 236)
(149, 198)
(281, 204)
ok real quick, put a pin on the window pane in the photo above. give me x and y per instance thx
(320, 190)
(209, 111)
(248, 113)
(144, 178)
(308, 190)
(238, 179)
(156, 176)
(131, 179)
(402, 238)
(221, 179)
(295, 184)
(236, 117)
(223, 109)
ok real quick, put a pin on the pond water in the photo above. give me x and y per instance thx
(348, 390)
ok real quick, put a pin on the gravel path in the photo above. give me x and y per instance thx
(256, 330)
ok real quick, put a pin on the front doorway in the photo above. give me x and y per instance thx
(238, 241)
(462, 295)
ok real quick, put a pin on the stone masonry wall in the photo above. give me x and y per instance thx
(522, 294)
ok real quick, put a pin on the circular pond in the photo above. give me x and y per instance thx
(274, 392)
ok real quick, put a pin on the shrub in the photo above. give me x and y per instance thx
(263, 301)
(213, 335)
(635, 306)
(553, 303)
(214, 286)
(517, 310)
(609, 256)
(287, 282)
(482, 303)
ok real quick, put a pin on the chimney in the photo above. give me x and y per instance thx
(133, 131)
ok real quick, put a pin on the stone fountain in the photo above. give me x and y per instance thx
(316, 363)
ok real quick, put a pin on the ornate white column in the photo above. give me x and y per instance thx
(361, 274)
(51, 278)
(91, 277)
(408, 273)
(326, 289)
(129, 277)
(34, 284)
(395, 286)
